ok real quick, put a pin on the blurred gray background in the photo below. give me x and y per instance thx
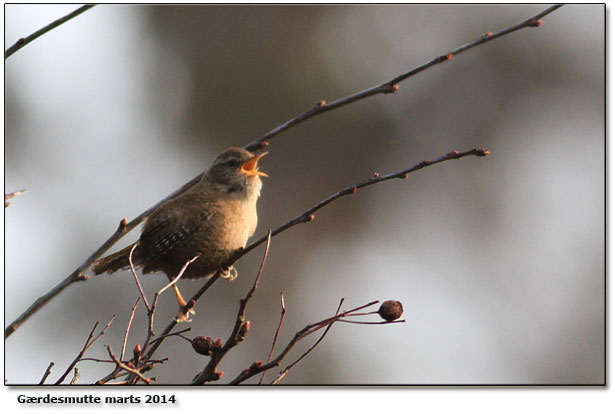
(499, 261)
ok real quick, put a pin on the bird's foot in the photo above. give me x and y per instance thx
(229, 273)
(183, 315)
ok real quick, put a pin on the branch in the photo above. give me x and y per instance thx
(277, 333)
(46, 374)
(258, 367)
(282, 374)
(392, 86)
(25, 40)
(121, 365)
(240, 330)
(75, 276)
(308, 215)
(141, 358)
(320, 107)
(136, 278)
(132, 316)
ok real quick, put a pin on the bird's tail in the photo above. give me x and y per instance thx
(116, 261)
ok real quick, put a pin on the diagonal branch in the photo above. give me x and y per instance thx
(25, 40)
(391, 86)
(308, 215)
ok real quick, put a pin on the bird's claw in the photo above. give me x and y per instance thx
(229, 273)
(184, 315)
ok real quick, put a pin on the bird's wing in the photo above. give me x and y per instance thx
(170, 227)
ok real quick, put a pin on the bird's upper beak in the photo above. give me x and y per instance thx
(250, 167)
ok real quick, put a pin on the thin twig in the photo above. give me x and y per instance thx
(46, 374)
(179, 275)
(178, 333)
(106, 361)
(132, 315)
(136, 278)
(151, 311)
(321, 107)
(126, 368)
(88, 343)
(76, 377)
(25, 40)
(372, 323)
(277, 333)
(282, 374)
(144, 357)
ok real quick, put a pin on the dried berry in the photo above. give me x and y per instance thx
(391, 310)
(203, 345)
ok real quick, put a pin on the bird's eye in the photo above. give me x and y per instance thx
(233, 163)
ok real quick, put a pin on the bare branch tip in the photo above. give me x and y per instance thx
(8, 196)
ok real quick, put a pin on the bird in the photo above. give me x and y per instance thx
(212, 220)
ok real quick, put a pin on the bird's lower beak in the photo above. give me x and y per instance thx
(250, 167)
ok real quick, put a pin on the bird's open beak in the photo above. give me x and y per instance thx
(250, 167)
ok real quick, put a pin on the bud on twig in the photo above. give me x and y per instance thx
(243, 331)
(136, 352)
